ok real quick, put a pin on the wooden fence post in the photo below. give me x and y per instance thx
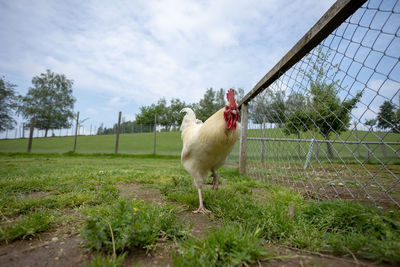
(155, 135)
(118, 130)
(76, 131)
(243, 139)
(31, 134)
(262, 141)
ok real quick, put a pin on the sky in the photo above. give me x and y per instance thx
(122, 55)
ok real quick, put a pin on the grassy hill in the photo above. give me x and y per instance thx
(139, 143)
(169, 143)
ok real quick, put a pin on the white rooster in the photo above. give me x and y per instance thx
(206, 145)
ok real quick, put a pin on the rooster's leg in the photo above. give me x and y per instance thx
(201, 208)
(215, 181)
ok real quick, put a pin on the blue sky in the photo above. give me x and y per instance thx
(125, 54)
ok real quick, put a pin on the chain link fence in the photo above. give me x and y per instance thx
(329, 124)
(132, 138)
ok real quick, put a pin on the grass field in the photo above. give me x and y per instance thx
(114, 204)
(169, 143)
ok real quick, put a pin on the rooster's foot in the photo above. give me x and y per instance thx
(201, 210)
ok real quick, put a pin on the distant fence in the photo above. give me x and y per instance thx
(21, 130)
(332, 83)
(121, 137)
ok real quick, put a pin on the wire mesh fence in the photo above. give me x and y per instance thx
(329, 125)
(132, 139)
(21, 130)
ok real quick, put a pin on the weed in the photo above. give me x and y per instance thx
(231, 245)
(133, 224)
(106, 261)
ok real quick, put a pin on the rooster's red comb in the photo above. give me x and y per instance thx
(231, 97)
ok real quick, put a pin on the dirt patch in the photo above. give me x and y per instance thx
(37, 194)
(138, 192)
(201, 223)
(296, 257)
(161, 256)
(48, 250)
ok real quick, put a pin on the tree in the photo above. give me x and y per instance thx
(388, 118)
(207, 105)
(8, 103)
(146, 115)
(371, 123)
(325, 111)
(50, 101)
(175, 111)
(271, 105)
(295, 101)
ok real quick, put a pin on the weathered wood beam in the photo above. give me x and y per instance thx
(243, 139)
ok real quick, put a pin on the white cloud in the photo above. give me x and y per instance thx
(135, 52)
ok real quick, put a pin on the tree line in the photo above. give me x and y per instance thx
(50, 102)
(320, 110)
(167, 113)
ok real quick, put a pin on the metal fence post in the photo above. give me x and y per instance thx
(118, 130)
(262, 142)
(31, 134)
(358, 145)
(382, 144)
(243, 138)
(76, 131)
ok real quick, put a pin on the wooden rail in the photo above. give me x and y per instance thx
(332, 19)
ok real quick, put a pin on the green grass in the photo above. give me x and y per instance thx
(129, 224)
(336, 227)
(169, 143)
(29, 225)
(101, 260)
(49, 183)
(230, 245)
(40, 192)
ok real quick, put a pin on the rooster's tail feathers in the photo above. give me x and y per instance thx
(189, 119)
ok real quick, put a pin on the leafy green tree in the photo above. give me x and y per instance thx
(213, 101)
(371, 123)
(146, 115)
(295, 101)
(269, 105)
(388, 117)
(162, 111)
(220, 98)
(168, 115)
(8, 103)
(175, 111)
(207, 106)
(50, 101)
(325, 111)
